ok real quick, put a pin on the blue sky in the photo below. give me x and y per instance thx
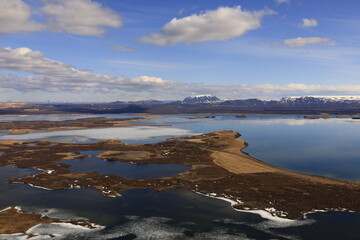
(87, 50)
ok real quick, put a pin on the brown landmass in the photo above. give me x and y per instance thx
(15, 105)
(21, 127)
(14, 220)
(218, 168)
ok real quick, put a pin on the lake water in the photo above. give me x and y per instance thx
(127, 170)
(327, 147)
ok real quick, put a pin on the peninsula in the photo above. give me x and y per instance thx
(22, 127)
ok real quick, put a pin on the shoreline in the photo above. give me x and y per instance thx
(254, 162)
(263, 213)
(267, 214)
(23, 127)
(16, 222)
(45, 114)
(217, 166)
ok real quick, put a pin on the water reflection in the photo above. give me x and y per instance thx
(118, 133)
(326, 147)
(128, 170)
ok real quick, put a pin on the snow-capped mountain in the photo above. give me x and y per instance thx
(201, 99)
(320, 99)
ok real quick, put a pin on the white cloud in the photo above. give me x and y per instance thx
(221, 24)
(82, 17)
(47, 75)
(50, 75)
(24, 59)
(309, 22)
(300, 42)
(282, 1)
(123, 48)
(15, 18)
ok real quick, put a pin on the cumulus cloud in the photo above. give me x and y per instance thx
(221, 24)
(300, 42)
(309, 22)
(123, 48)
(83, 17)
(26, 60)
(15, 18)
(50, 75)
(47, 75)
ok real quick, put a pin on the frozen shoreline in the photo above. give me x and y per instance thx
(50, 230)
(264, 214)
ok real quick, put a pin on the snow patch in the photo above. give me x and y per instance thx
(5, 209)
(203, 95)
(32, 185)
(267, 213)
(50, 230)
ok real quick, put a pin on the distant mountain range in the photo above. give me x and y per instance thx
(348, 105)
(201, 99)
(210, 99)
(299, 101)
(321, 99)
(210, 103)
(141, 102)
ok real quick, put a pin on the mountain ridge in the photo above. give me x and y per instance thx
(202, 99)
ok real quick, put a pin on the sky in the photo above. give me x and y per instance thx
(107, 50)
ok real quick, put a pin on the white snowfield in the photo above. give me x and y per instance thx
(203, 95)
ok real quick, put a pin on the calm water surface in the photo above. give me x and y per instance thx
(128, 170)
(324, 147)
(327, 147)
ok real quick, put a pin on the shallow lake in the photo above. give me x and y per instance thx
(128, 170)
(326, 147)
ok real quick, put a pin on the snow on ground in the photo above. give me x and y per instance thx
(49, 231)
